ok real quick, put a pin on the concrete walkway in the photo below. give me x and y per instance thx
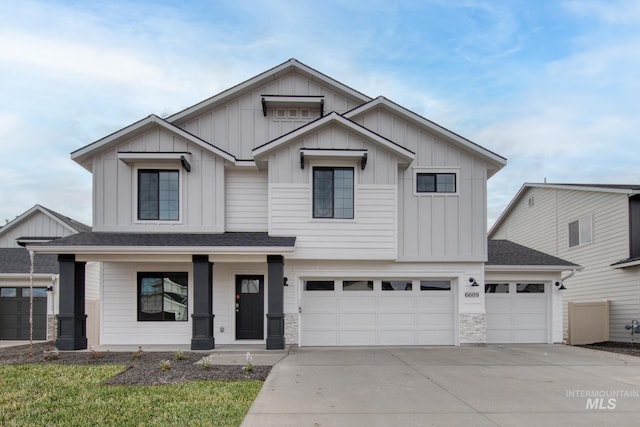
(519, 385)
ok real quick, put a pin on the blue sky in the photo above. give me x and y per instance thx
(551, 85)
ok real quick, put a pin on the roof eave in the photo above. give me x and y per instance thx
(151, 250)
(538, 268)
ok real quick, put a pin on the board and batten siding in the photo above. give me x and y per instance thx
(119, 314)
(246, 200)
(36, 225)
(239, 125)
(371, 235)
(435, 227)
(544, 227)
(201, 190)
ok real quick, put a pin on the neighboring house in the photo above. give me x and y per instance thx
(594, 225)
(291, 208)
(38, 224)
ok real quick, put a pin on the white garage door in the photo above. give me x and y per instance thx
(516, 313)
(389, 312)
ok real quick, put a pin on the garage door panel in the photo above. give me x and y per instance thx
(516, 317)
(524, 336)
(357, 303)
(396, 337)
(445, 319)
(435, 337)
(356, 337)
(395, 303)
(320, 304)
(319, 321)
(528, 321)
(527, 303)
(436, 304)
(320, 338)
(360, 321)
(396, 320)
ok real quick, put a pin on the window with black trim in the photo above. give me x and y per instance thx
(158, 194)
(333, 192)
(435, 182)
(163, 296)
(435, 285)
(319, 285)
(580, 231)
(496, 288)
(397, 285)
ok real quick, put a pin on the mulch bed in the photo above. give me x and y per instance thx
(141, 369)
(616, 347)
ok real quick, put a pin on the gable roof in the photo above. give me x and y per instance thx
(497, 161)
(504, 254)
(68, 223)
(17, 261)
(334, 118)
(629, 190)
(83, 155)
(263, 78)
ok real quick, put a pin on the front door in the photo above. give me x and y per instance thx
(249, 307)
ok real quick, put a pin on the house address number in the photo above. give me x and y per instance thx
(472, 294)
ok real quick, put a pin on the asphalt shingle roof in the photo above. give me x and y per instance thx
(173, 239)
(505, 252)
(16, 260)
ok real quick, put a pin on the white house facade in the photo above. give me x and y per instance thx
(290, 209)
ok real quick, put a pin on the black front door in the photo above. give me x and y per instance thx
(249, 307)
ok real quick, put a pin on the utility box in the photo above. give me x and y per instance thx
(588, 322)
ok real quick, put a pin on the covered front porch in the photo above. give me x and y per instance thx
(159, 289)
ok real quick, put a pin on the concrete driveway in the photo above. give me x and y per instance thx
(515, 385)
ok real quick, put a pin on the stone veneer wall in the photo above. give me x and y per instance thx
(291, 328)
(473, 328)
(52, 323)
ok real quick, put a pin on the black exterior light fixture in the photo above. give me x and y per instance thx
(185, 163)
(560, 286)
(285, 281)
(473, 281)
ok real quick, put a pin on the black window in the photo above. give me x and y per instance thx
(333, 193)
(319, 285)
(357, 285)
(397, 285)
(435, 285)
(162, 296)
(496, 288)
(158, 195)
(530, 288)
(436, 183)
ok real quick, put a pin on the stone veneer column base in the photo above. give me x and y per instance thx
(473, 329)
(52, 327)
(291, 328)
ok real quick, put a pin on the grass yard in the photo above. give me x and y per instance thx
(70, 395)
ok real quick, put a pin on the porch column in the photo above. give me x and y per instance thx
(202, 317)
(275, 315)
(72, 320)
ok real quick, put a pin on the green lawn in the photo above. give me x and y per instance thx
(51, 395)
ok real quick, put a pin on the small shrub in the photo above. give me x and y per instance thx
(249, 366)
(95, 355)
(51, 357)
(205, 364)
(165, 365)
(179, 355)
(138, 354)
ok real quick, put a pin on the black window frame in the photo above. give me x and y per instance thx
(156, 216)
(333, 169)
(319, 285)
(435, 176)
(162, 316)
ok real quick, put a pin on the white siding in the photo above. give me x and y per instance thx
(544, 227)
(371, 235)
(246, 200)
(435, 227)
(119, 324)
(201, 190)
(35, 225)
(239, 125)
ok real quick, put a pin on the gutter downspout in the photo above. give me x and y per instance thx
(569, 276)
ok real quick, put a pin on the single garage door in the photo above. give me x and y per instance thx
(377, 312)
(516, 312)
(14, 313)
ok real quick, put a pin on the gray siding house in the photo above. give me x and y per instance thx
(292, 209)
(594, 225)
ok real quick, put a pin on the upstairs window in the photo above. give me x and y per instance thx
(158, 195)
(436, 183)
(580, 231)
(333, 193)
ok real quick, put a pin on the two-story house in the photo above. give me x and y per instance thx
(594, 225)
(291, 208)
